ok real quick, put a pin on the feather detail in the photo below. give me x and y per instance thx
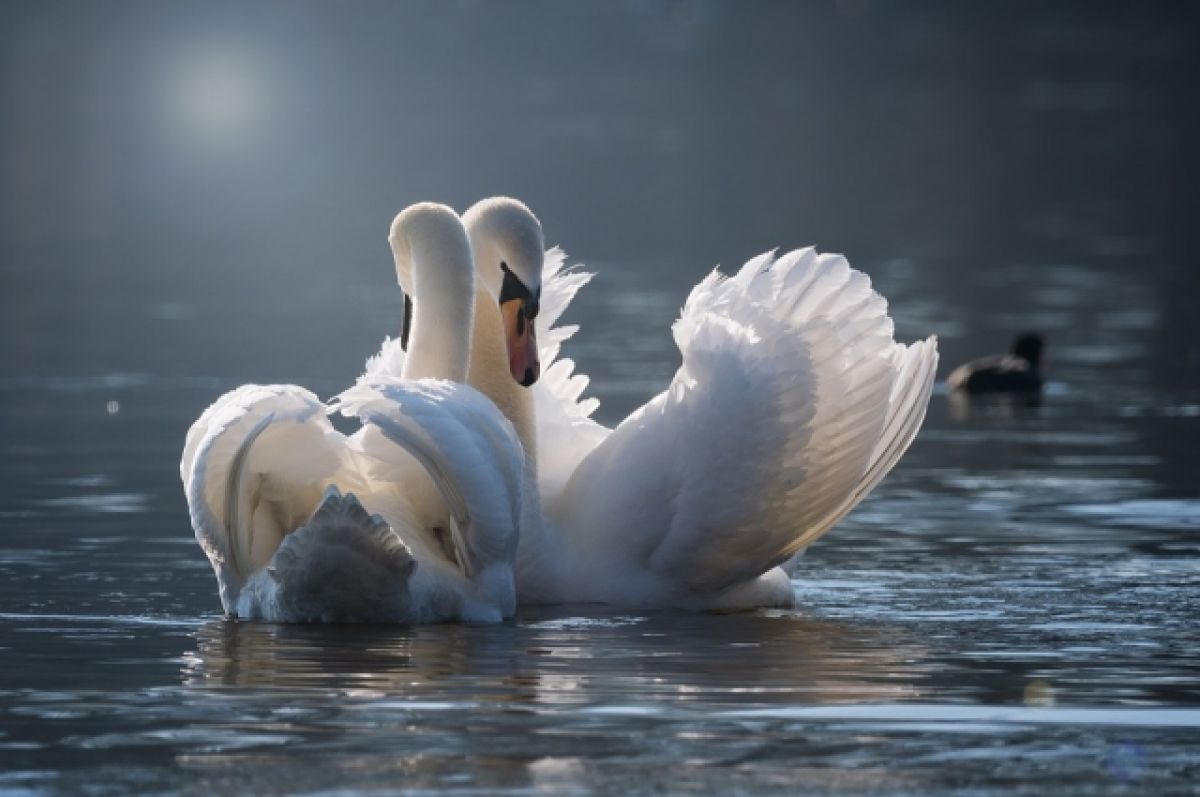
(280, 502)
(792, 402)
(344, 565)
(565, 430)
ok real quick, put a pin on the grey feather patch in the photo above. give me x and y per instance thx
(345, 565)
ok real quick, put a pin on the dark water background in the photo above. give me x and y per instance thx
(193, 196)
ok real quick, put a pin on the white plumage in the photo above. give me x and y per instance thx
(265, 474)
(792, 402)
(414, 518)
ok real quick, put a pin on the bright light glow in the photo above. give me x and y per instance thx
(218, 95)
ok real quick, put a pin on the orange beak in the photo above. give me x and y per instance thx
(521, 340)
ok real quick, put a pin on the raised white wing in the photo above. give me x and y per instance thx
(792, 402)
(565, 431)
(264, 472)
(467, 447)
(254, 468)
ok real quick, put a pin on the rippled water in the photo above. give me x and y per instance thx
(1012, 611)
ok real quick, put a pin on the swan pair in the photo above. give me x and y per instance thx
(792, 402)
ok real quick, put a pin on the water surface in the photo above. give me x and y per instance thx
(1012, 611)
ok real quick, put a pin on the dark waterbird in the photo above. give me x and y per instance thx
(1019, 371)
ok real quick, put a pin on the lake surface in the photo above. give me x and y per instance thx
(1013, 611)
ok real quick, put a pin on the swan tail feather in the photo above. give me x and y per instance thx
(344, 565)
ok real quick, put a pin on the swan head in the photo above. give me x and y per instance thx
(508, 246)
(438, 231)
(433, 261)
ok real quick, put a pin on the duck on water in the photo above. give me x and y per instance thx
(1018, 372)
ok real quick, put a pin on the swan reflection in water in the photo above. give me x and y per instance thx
(558, 702)
(581, 658)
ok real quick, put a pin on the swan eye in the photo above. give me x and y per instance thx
(513, 288)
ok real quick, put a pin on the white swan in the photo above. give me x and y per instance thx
(792, 403)
(282, 503)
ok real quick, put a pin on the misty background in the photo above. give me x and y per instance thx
(205, 188)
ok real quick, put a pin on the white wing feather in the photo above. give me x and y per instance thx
(793, 400)
(565, 431)
(262, 467)
(254, 468)
(474, 457)
(468, 447)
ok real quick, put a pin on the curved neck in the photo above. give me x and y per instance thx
(489, 374)
(434, 263)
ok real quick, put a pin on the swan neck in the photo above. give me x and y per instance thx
(489, 374)
(433, 256)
